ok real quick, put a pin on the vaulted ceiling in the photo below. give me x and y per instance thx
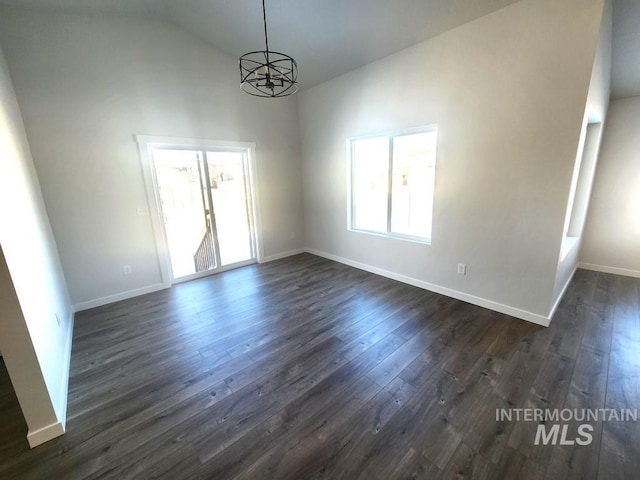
(331, 37)
(625, 61)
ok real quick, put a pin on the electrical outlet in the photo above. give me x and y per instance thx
(58, 320)
(126, 269)
(462, 269)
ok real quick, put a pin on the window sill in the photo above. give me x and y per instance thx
(568, 244)
(406, 238)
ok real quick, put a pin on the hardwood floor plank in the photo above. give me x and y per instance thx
(322, 394)
(356, 438)
(466, 463)
(587, 391)
(514, 464)
(306, 368)
(619, 458)
(627, 310)
(598, 314)
(412, 466)
(318, 403)
(389, 369)
(301, 456)
(487, 438)
(549, 391)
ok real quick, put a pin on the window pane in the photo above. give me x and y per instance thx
(412, 184)
(183, 205)
(370, 170)
(230, 202)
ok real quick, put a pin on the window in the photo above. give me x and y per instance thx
(392, 184)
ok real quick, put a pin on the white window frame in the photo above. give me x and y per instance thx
(146, 145)
(351, 189)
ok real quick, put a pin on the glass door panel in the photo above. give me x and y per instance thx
(229, 189)
(184, 200)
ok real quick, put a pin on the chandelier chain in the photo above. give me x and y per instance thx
(266, 37)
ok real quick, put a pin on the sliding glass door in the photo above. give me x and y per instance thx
(230, 198)
(206, 209)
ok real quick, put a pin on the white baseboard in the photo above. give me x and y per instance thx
(278, 256)
(45, 434)
(98, 302)
(615, 270)
(62, 405)
(56, 429)
(481, 302)
(564, 290)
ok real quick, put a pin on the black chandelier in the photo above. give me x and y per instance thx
(264, 73)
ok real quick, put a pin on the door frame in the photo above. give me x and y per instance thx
(146, 145)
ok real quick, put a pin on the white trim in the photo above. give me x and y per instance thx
(209, 273)
(45, 434)
(481, 302)
(255, 201)
(146, 144)
(568, 244)
(153, 205)
(157, 140)
(278, 256)
(605, 269)
(62, 405)
(351, 203)
(98, 302)
(564, 290)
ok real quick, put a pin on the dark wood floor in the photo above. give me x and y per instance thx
(305, 368)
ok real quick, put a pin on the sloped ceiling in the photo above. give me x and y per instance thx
(625, 60)
(326, 37)
(331, 37)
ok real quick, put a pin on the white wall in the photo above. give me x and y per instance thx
(32, 286)
(508, 92)
(595, 113)
(612, 233)
(86, 85)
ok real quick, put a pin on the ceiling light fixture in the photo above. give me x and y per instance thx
(264, 73)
